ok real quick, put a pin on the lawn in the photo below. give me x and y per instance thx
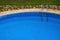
(29, 2)
(19, 3)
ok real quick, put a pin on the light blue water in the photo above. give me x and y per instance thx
(30, 26)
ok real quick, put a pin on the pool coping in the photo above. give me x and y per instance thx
(29, 10)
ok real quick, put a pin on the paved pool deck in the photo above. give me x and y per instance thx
(29, 10)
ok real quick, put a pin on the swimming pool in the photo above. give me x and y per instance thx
(30, 26)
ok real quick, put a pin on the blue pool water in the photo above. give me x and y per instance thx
(30, 26)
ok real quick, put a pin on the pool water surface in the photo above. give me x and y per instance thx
(30, 26)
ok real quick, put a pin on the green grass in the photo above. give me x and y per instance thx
(24, 3)
(29, 2)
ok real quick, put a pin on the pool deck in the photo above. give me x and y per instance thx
(29, 10)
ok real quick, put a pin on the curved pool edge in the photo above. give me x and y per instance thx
(43, 16)
(29, 10)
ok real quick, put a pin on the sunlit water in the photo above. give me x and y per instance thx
(30, 26)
